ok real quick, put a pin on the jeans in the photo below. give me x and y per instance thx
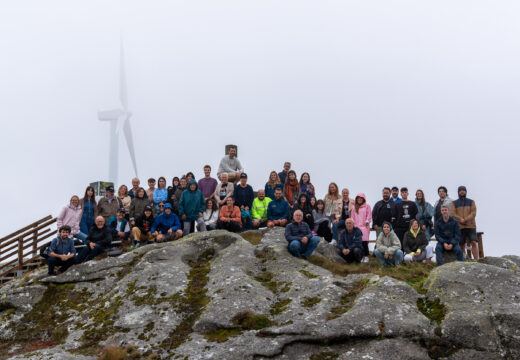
(187, 226)
(247, 221)
(296, 247)
(87, 254)
(335, 226)
(439, 249)
(396, 259)
(81, 236)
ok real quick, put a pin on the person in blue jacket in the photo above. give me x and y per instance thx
(351, 243)
(161, 193)
(191, 208)
(119, 226)
(300, 238)
(447, 233)
(166, 227)
(278, 210)
(243, 195)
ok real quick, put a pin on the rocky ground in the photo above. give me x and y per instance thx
(216, 295)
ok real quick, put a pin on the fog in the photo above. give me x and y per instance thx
(366, 94)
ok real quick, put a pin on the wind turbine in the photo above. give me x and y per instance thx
(119, 121)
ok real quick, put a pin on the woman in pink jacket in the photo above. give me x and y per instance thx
(71, 215)
(362, 216)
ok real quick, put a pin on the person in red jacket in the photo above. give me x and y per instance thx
(230, 217)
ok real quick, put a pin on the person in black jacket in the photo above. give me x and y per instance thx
(243, 195)
(143, 224)
(415, 244)
(99, 238)
(447, 233)
(404, 212)
(304, 205)
(383, 211)
(351, 243)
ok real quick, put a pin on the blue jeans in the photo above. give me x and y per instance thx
(335, 227)
(296, 247)
(439, 249)
(81, 236)
(396, 259)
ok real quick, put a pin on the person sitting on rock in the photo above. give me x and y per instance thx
(230, 218)
(300, 238)
(98, 240)
(243, 195)
(230, 165)
(415, 244)
(388, 247)
(141, 232)
(278, 210)
(166, 227)
(259, 209)
(210, 215)
(191, 207)
(119, 226)
(447, 233)
(304, 205)
(223, 190)
(351, 243)
(321, 221)
(61, 251)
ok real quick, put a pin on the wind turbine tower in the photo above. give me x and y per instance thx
(119, 122)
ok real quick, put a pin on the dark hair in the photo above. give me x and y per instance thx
(214, 206)
(190, 173)
(65, 228)
(138, 191)
(443, 188)
(161, 178)
(175, 178)
(301, 178)
(303, 195)
(394, 188)
(404, 188)
(93, 199)
(207, 167)
(151, 180)
(315, 202)
(387, 188)
(422, 202)
(278, 188)
(320, 201)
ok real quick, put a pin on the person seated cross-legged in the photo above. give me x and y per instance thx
(62, 251)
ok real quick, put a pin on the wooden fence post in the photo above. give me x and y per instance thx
(20, 256)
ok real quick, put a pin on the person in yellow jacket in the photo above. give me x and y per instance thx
(259, 209)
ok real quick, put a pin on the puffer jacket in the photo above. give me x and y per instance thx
(464, 208)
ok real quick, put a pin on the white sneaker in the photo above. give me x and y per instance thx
(365, 259)
(333, 242)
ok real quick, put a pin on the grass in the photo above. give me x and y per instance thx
(346, 301)
(433, 310)
(310, 301)
(279, 306)
(125, 353)
(309, 274)
(248, 320)
(221, 335)
(253, 236)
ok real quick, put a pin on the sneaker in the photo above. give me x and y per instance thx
(365, 259)
(333, 242)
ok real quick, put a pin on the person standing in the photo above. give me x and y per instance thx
(231, 165)
(350, 243)
(306, 186)
(271, 185)
(404, 212)
(301, 241)
(71, 215)
(443, 200)
(333, 202)
(161, 193)
(243, 195)
(447, 233)
(89, 206)
(191, 207)
(151, 188)
(62, 252)
(382, 211)
(122, 194)
(207, 184)
(347, 204)
(283, 174)
(108, 205)
(425, 213)
(292, 188)
(139, 202)
(464, 210)
(259, 209)
(183, 185)
(362, 217)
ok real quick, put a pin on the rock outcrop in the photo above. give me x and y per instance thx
(215, 295)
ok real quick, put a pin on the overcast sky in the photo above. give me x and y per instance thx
(364, 93)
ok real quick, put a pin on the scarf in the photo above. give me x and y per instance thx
(291, 188)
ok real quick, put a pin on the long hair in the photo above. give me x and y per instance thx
(121, 188)
(213, 206)
(301, 178)
(93, 198)
(422, 202)
(272, 183)
(320, 201)
(336, 194)
(357, 206)
(137, 193)
(158, 180)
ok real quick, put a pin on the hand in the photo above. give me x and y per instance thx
(121, 234)
(336, 220)
(92, 245)
(170, 231)
(423, 227)
(346, 251)
(386, 256)
(304, 239)
(183, 216)
(200, 214)
(462, 221)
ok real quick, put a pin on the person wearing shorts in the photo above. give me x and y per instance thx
(464, 211)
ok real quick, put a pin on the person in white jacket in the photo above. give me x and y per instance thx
(210, 215)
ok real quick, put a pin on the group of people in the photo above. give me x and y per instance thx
(166, 213)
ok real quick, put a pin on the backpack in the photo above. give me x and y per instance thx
(45, 250)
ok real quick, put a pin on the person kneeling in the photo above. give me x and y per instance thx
(447, 233)
(351, 243)
(62, 251)
(230, 217)
(415, 245)
(166, 227)
(99, 238)
(299, 236)
(388, 247)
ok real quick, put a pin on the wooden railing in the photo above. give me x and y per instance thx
(20, 250)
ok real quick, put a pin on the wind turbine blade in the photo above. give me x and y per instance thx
(127, 129)
(109, 115)
(122, 78)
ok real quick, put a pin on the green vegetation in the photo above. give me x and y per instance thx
(253, 236)
(193, 301)
(308, 274)
(266, 279)
(310, 301)
(125, 353)
(347, 300)
(248, 320)
(279, 306)
(324, 355)
(221, 335)
(433, 310)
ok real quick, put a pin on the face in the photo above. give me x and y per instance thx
(224, 178)
(305, 178)
(386, 229)
(261, 194)
(395, 193)
(64, 234)
(140, 194)
(292, 176)
(229, 202)
(303, 200)
(349, 225)
(287, 166)
(135, 183)
(90, 192)
(243, 181)
(278, 194)
(209, 204)
(147, 213)
(462, 193)
(386, 194)
(207, 171)
(232, 152)
(110, 194)
(124, 190)
(120, 215)
(442, 193)
(151, 184)
(193, 187)
(415, 226)
(345, 194)
(313, 201)
(168, 211)
(161, 206)
(175, 182)
(404, 195)
(100, 222)
(445, 212)
(183, 183)
(332, 189)
(419, 195)
(162, 183)
(298, 217)
(320, 206)
(189, 177)
(74, 201)
(360, 200)
(273, 176)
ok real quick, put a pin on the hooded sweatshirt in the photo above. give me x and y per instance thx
(164, 222)
(388, 244)
(70, 215)
(362, 216)
(192, 202)
(411, 243)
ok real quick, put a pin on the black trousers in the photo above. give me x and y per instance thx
(232, 226)
(354, 256)
(324, 231)
(64, 265)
